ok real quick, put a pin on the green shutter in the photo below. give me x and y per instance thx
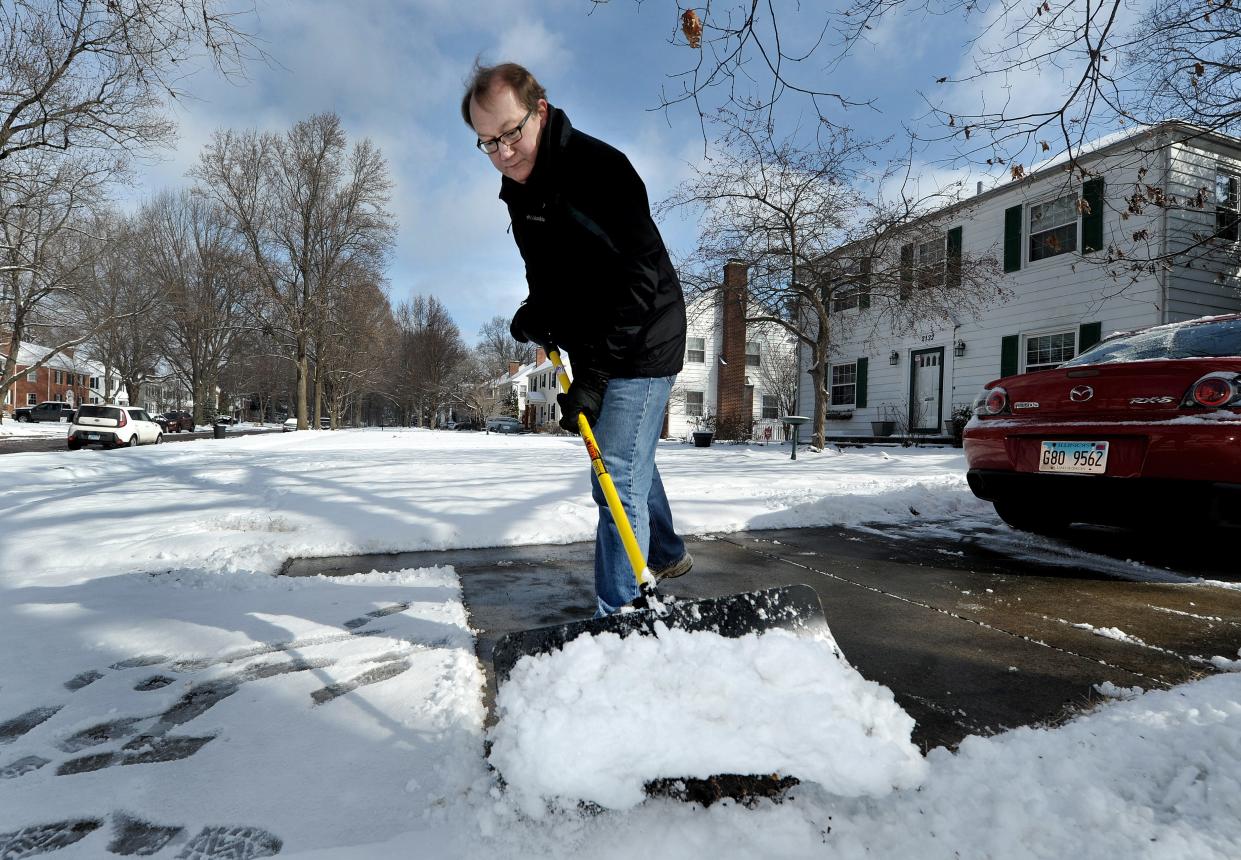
(859, 395)
(864, 284)
(907, 270)
(953, 272)
(1012, 238)
(1008, 354)
(1092, 221)
(1088, 334)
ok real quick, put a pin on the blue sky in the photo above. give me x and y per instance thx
(394, 70)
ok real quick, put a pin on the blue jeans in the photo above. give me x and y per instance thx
(627, 431)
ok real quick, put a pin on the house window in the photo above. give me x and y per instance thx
(694, 404)
(1053, 227)
(1045, 351)
(58, 377)
(31, 399)
(752, 358)
(32, 376)
(844, 384)
(1226, 207)
(929, 259)
(695, 350)
(771, 406)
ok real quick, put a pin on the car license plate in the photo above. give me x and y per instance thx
(92, 435)
(1081, 458)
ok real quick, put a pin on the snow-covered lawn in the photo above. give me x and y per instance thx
(161, 689)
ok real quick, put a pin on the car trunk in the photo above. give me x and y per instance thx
(1113, 404)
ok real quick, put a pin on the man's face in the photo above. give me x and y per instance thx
(502, 112)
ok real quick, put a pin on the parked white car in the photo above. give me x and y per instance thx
(113, 427)
(290, 424)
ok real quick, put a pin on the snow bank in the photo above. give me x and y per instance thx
(604, 716)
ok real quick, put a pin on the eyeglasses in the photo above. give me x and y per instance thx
(508, 138)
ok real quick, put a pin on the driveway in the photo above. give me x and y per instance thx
(974, 632)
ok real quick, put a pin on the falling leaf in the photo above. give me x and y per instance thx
(1083, 206)
(1017, 171)
(1046, 146)
(691, 26)
(1046, 7)
(1199, 69)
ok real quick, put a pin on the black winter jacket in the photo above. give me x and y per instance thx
(599, 274)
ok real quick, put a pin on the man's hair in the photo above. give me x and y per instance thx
(515, 77)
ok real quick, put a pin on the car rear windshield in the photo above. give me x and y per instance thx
(1201, 340)
(89, 411)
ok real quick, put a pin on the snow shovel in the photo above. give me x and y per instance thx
(795, 608)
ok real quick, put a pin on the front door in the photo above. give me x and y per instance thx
(926, 389)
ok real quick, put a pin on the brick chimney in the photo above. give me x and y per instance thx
(540, 355)
(730, 374)
(513, 367)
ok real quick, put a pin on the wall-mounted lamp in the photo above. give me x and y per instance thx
(958, 348)
(894, 358)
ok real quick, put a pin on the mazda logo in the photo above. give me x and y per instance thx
(1081, 394)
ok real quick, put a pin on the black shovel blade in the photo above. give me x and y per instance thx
(793, 607)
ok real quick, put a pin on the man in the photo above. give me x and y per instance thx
(601, 287)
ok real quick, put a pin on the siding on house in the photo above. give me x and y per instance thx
(1066, 293)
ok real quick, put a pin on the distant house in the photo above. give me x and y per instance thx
(732, 368)
(68, 377)
(1051, 229)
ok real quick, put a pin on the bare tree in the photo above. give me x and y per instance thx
(132, 342)
(813, 244)
(47, 206)
(93, 74)
(359, 344)
(496, 347)
(307, 208)
(430, 359)
(189, 251)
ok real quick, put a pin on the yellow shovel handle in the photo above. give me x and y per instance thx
(605, 481)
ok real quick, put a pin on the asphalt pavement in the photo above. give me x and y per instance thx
(974, 632)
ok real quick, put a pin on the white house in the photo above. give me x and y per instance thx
(732, 365)
(1171, 188)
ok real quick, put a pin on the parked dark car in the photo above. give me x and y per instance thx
(48, 410)
(1141, 428)
(469, 425)
(505, 424)
(176, 421)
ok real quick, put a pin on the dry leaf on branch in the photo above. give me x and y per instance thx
(691, 26)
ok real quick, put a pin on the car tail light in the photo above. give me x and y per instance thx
(992, 401)
(122, 421)
(1215, 390)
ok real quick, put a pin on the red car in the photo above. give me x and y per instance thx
(1144, 427)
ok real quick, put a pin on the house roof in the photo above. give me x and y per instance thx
(29, 353)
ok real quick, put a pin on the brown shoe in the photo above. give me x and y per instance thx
(677, 568)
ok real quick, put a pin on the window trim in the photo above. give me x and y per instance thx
(1026, 337)
(832, 384)
(690, 352)
(701, 406)
(924, 277)
(774, 408)
(757, 355)
(1235, 210)
(1028, 237)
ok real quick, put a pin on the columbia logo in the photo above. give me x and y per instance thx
(535, 218)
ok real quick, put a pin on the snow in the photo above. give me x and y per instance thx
(156, 671)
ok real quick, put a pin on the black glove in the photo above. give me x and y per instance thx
(528, 327)
(584, 396)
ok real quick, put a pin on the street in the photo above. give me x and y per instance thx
(56, 442)
(974, 633)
